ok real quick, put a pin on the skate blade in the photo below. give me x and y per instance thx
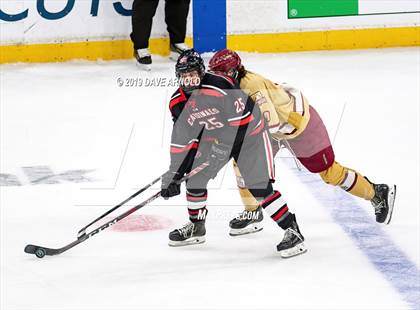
(296, 250)
(173, 56)
(250, 229)
(190, 241)
(391, 200)
(144, 67)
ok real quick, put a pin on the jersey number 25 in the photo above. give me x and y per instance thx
(240, 105)
(211, 123)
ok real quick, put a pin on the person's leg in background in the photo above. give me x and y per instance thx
(176, 14)
(141, 21)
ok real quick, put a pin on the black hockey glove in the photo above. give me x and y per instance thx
(217, 158)
(169, 187)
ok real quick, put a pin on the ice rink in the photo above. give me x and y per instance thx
(75, 142)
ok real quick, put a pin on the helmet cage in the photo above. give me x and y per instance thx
(189, 61)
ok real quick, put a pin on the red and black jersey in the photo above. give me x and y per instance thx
(218, 110)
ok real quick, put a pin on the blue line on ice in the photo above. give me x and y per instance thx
(369, 237)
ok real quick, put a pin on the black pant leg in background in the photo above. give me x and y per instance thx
(176, 13)
(141, 21)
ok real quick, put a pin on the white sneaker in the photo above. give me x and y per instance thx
(144, 59)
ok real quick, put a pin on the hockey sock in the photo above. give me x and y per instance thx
(357, 185)
(197, 205)
(277, 208)
(349, 180)
(249, 201)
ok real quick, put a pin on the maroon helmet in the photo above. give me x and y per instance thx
(227, 62)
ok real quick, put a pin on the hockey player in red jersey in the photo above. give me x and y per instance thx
(296, 124)
(214, 121)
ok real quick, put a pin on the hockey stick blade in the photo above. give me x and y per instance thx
(40, 252)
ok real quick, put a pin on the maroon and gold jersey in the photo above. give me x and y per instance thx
(284, 107)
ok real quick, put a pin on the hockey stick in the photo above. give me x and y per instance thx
(83, 230)
(40, 252)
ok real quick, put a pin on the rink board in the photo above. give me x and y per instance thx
(60, 30)
(263, 43)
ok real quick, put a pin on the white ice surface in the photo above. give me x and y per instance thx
(74, 116)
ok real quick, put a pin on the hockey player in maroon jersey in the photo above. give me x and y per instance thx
(214, 121)
(293, 122)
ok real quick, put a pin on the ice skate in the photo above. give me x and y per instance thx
(190, 233)
(383, 202)
(246, 222)
(292, 243)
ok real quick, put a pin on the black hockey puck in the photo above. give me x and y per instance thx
(40, 252)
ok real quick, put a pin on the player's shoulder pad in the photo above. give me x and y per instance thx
(219, 80)
(177, 97)
(216, 85)
(253, 80)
